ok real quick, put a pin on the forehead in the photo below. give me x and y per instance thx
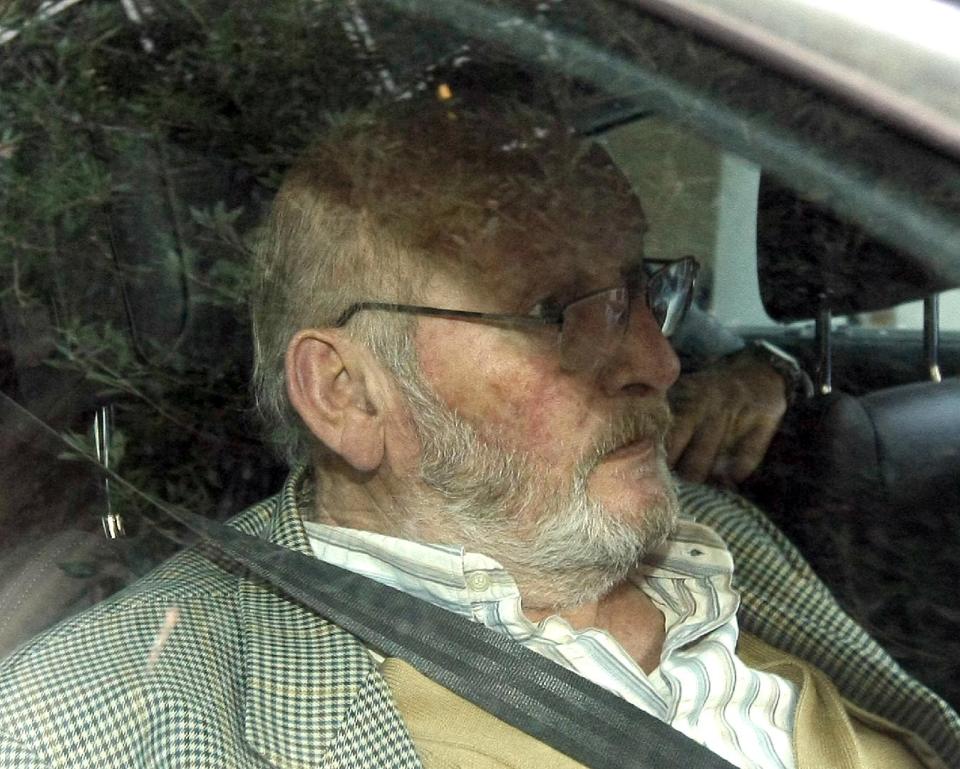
(502, 198)
(580, 228)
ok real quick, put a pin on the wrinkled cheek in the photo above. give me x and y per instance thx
(520, 408)
(522, 404)
(536, 416)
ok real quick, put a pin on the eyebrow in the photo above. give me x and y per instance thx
(630, 269)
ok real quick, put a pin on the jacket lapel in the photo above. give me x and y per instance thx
(312, 694)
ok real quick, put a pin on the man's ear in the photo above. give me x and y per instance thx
(329, 381)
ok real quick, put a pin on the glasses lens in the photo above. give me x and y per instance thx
(592, 328)
(669, 292)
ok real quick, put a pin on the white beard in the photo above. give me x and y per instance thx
(562, 548)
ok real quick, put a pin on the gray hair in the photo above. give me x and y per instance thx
(384, 198)
(314, 258)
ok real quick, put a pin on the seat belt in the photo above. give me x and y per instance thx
(520, 687)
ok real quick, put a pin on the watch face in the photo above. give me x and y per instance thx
(797, 382)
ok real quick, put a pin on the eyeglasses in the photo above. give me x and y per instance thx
(591, 326)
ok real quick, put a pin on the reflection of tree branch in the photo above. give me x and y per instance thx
(231, 297)
(197, 17)
(123, 384)
(17, 243)
(173, 213)
(95, 199)
(17, 291)
(151, 373)
(53, 108)
(238, 247)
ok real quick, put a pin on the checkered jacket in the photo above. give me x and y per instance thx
(201, 665)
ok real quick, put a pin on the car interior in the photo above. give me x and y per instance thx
(123, 326)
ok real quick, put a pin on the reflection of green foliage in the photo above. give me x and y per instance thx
(176, 148)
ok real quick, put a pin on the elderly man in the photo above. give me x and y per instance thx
(461, 351)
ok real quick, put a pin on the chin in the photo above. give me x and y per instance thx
(627, 487)
(588, 545)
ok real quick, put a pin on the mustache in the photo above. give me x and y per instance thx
(645, 422)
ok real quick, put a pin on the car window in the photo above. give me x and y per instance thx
(234, 234)
(702, 199)
(910, 315)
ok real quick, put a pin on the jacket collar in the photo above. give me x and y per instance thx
(307, 680)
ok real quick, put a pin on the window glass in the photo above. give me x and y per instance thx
(910, 316)
(471, 276)
(699, 199)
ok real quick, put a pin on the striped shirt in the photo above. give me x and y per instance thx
(700, 687)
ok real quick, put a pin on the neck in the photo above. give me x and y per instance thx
(626, 613)
(342, 496)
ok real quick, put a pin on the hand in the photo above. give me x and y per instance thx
(724, 419)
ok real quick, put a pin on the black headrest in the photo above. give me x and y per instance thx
(805, 252)
(897, 449)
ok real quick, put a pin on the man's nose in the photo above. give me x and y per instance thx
(644, 362)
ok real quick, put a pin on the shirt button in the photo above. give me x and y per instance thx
(478, 581)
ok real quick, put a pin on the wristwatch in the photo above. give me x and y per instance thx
(797, 382)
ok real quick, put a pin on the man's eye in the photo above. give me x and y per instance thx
(548, 309)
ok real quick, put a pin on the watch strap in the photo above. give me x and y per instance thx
(798, 384)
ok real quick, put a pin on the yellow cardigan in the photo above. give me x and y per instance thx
(452, 733)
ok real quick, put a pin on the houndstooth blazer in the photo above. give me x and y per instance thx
(201, 665)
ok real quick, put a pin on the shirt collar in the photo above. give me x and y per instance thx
(460, 581)
(692, 550)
